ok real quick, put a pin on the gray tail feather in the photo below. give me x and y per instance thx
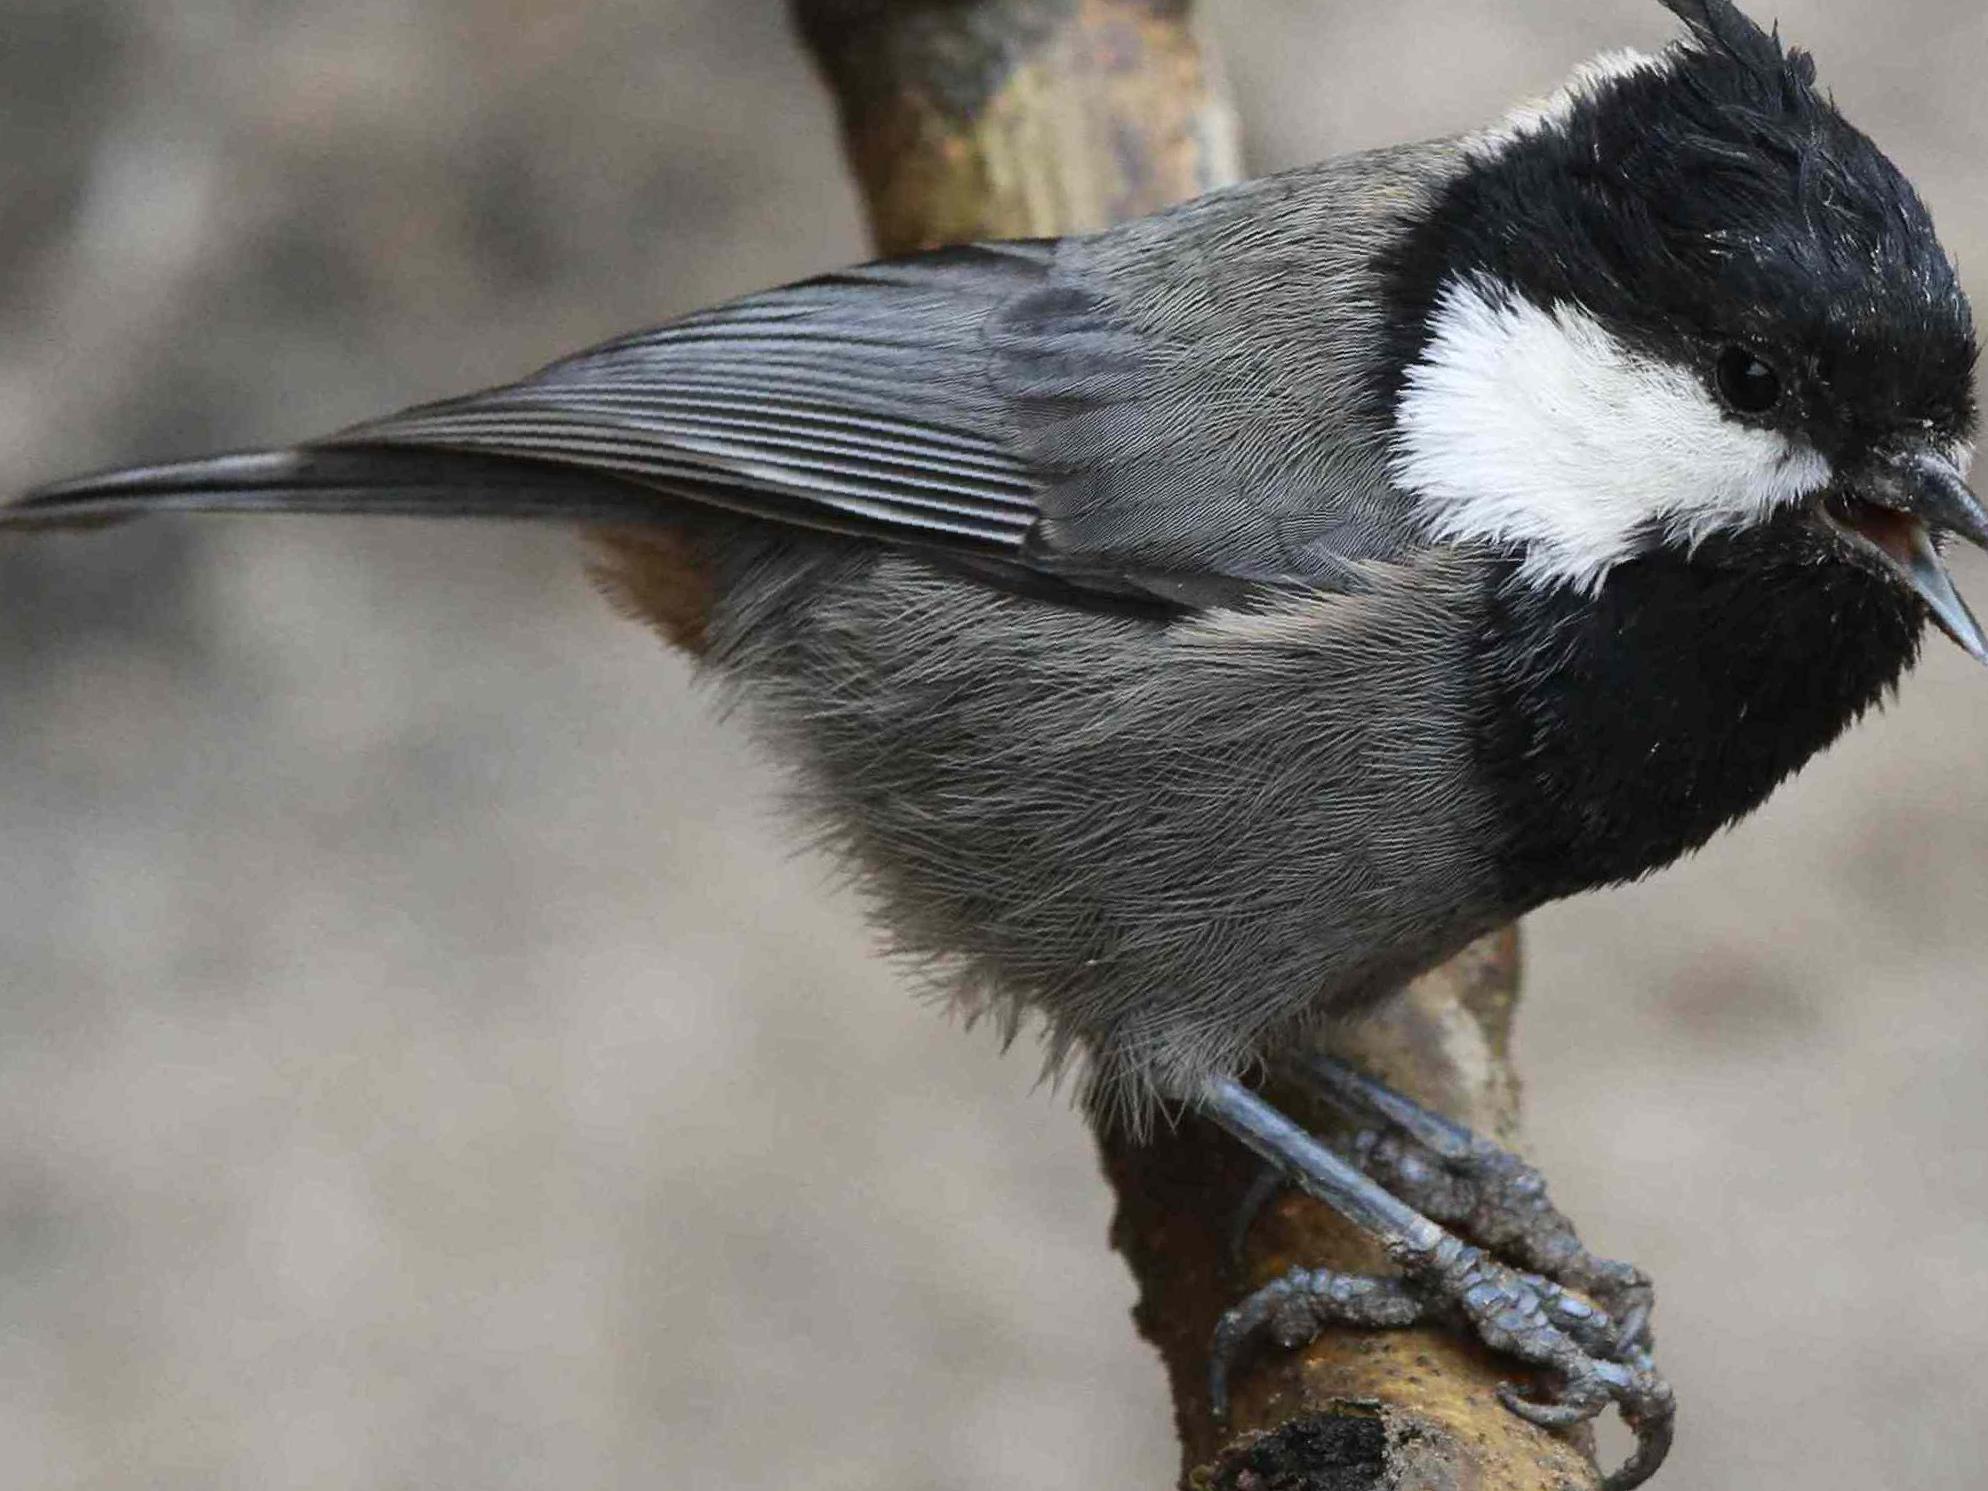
(342, 479)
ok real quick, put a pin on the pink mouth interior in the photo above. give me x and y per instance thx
(1886, 528)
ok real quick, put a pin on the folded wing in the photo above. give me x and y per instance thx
(1076, 418)
(856, 403)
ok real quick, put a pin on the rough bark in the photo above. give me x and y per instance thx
(1019, 118)
(971, 119)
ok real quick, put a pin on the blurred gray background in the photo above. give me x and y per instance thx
(422, 1061)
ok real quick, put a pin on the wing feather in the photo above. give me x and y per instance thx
(857, 403)
(863, 395)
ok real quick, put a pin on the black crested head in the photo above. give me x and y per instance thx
(1707, 201)
(1724, 25)
(1681, 345)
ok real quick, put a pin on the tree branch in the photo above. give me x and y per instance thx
(971, 119)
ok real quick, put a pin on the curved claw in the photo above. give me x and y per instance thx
(1539, 1322)
(1222, 1352)
(1562, 1413)
(1296, 1307)
(1262, 1191)
(1654, 1423)
(1234, 1330)
(1218, 1388)
(1647, 1406)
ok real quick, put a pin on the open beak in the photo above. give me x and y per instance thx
(1892, 515)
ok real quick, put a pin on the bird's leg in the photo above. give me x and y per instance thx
(1519, 1314)
(1485, 1194)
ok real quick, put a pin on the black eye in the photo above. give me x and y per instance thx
(1746, 383)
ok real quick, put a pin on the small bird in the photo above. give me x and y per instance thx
(1194, 630)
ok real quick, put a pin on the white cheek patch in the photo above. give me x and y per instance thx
(1536, 427)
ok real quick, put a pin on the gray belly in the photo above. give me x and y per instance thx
(1170, 841)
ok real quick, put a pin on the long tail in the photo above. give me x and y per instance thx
(345, 479)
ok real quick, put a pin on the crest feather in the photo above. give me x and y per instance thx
(1723, 25)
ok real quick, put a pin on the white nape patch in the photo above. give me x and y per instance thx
(1537, 427)
(1554, 110)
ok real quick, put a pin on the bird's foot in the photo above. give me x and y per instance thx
(1592, 1356)
(1595, 1354)
(1292, 1311)
(1515, 1314)
(1482, 1192)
